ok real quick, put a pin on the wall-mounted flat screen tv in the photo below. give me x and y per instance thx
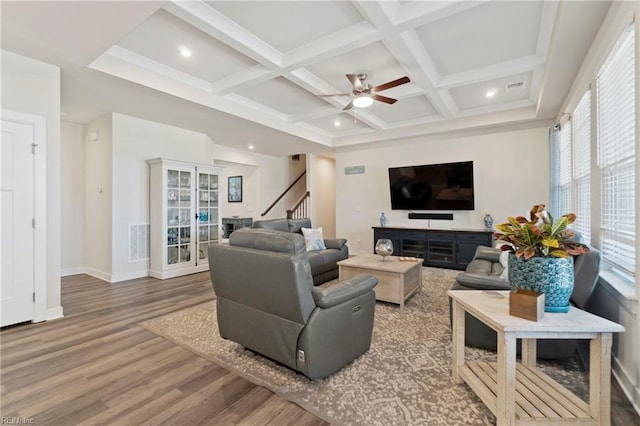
(447, 186)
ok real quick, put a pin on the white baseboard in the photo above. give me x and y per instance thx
(72, 271)
(105, 276)
(98, 274)
(631, 390)
(129, 276)
(54, 313)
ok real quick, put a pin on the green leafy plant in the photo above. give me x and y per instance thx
(541, 235)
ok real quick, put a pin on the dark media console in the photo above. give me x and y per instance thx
(452, 249)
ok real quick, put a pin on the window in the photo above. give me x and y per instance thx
(581, 167)
(560, 169)
(564, 172)
(616, 154)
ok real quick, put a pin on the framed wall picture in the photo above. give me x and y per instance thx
(235, 189)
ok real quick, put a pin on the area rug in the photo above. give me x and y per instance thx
(404, 379)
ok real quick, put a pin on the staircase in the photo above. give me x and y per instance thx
(300, 208)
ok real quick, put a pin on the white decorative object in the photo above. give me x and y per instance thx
(384, 247)
(383, 220)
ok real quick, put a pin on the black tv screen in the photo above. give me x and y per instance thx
(447, 186)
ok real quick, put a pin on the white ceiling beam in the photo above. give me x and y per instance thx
(490, 72)
(244, 78)
(214, 23)
(346, 40)
(325, 111)
(136, 60)
(423, 72)
(418, 13)
(547, 21)
(408, 50)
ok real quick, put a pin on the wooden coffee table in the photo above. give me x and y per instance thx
(521, 393)
(397, 280)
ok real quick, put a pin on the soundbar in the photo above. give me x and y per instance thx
(435, 216)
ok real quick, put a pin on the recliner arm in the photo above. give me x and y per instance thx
(336, 243)
(482, 282)
(488, 253)
(343, 291)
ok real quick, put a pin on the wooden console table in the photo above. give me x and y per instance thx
(522, 393)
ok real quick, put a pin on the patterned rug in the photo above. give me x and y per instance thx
(404, 379)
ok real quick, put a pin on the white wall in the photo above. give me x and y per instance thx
(270, 176)
(134, 142)
(98, 197)
(33, 87)
(510, 176)
(72, 188)
(250, 190)
(321, 177)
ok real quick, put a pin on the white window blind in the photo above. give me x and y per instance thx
(616, 154)
(564, 172)
(582, 167)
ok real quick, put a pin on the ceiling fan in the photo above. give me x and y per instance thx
(364, 94)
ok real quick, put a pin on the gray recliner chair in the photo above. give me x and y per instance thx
(266, 301)
(483, 273)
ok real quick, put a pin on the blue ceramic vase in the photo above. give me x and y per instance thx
(552, 276)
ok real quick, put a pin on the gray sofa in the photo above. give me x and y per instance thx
(483, 273)
(266, 301)
(323, 262)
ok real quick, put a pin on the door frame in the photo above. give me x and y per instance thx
(39, 124)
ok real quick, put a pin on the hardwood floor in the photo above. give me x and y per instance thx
(97, 366)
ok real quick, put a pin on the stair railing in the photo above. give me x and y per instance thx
(301, 209)
(283, 194)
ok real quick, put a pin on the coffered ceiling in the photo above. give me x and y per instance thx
(257, 68)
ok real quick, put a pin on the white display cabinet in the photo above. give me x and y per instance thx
(185, 216)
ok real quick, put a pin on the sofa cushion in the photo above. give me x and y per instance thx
(275, 224)
(313, 239)
(296, 225)
(267, 239)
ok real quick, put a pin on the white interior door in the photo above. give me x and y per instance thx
(17, 232)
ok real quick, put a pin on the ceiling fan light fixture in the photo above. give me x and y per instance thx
(362, 101)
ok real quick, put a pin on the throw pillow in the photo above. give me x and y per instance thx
(313, 238)
(504, 261)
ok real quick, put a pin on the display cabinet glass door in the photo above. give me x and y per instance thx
(207, 213)
(179, 213)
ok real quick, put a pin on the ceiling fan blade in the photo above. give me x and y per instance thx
(384, 99)
(335, 94)
(355, 81)
(389, 85)
(349, 106)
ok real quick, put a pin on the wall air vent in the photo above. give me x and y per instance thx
(515, 85)
(139, 242)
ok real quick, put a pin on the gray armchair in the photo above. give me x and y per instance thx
(266, 301)
(483, 273)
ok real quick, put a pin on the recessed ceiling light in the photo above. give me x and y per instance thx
(336, 123)
(251, 147)
(490, 93)
(185, 52)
